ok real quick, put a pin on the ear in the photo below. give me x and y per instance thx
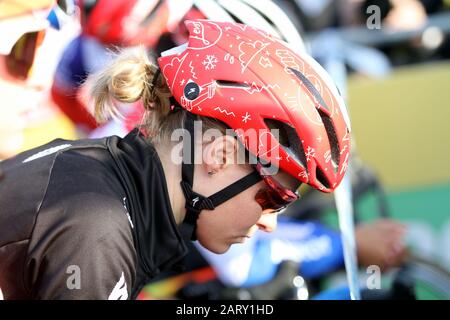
(220, 153)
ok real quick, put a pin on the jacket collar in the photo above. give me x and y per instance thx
(157, 238)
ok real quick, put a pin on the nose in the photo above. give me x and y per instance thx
(267, 222)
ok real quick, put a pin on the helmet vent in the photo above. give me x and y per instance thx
(332, 139)
(289, 139)
(311, 88)
(320, 176)
(232, 84)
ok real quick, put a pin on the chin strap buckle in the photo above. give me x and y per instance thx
(195, 203)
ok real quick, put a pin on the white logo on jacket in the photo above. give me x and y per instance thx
(46, 152)
(120, 291)
(128, 214)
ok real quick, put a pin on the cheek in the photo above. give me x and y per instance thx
(216, 230)
(246, 210)
(213, 231)
(233, 216)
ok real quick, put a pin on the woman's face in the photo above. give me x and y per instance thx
(238, 218)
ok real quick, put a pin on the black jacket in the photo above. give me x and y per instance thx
(85, 219)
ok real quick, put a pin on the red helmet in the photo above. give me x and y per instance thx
(252, 82)
(130, 22)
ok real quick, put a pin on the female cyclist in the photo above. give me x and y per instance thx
(96, 219)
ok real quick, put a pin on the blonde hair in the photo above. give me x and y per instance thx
(129, 78)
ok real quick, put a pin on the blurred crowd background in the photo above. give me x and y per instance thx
(390, 58)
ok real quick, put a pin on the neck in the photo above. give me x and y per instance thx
(172, 173)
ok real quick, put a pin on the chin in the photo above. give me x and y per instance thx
(217, 248)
